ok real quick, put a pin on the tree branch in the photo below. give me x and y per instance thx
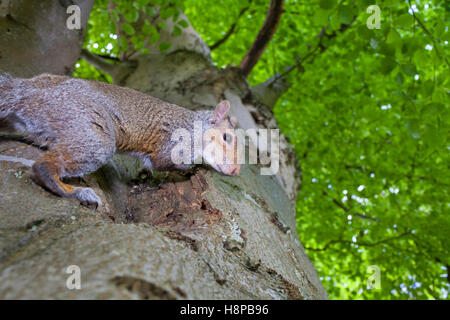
(269, 91)
(262, 39)
(108, 57)
(363, 244)
(347, 209)
(98, 62)
(231, 29)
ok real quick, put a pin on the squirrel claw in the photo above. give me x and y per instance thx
(87, 197)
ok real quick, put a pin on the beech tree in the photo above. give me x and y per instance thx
(359, 91)
(159, 235)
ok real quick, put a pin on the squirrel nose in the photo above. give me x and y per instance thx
(235, 171)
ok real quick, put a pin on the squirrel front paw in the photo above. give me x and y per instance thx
(87, 196)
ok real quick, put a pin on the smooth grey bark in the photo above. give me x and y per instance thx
(195, 235)
(34, 38)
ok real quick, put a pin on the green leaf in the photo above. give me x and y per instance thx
(123, 44)
(421, 58)
(405, 20)
(140, 4)
(335, 22)
(321, 17)
(440, 96)
(128, 29)
(115, 15)
(327, 4)
(413, 128)
(167, 13)
(183, 23)
(345, 14)
(446, 36)
(164, 46)
(154, 37)
(431, 136)
(427, 88)
(176, 31)
(150, 11)
(394, 38)
(148, 29)
(387, 65)
(161, 25)
(409, 69)
(132, 16)
(137, 42)
(399, 78)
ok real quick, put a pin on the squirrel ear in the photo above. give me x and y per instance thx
(221, 112)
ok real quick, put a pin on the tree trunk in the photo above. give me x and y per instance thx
(195, 235)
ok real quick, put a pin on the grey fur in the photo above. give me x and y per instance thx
(83, 123)
(61, 118)
(88, 196)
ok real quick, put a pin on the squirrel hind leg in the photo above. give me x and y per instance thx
(47, 173)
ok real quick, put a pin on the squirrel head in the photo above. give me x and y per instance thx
(220, 142)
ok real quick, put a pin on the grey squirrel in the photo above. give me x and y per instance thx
(82, 123)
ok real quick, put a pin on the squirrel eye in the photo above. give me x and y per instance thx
(227, 137)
